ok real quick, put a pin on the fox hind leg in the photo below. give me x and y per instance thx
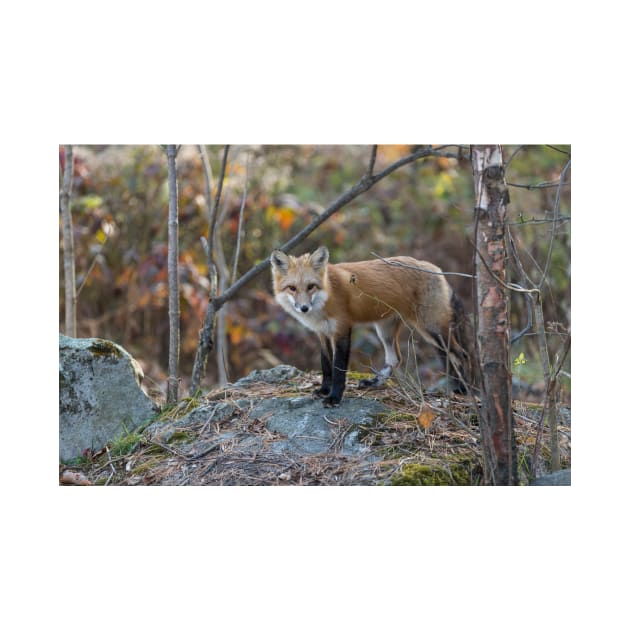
(387, 332)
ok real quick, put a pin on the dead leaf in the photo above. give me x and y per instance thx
(74, 478)
(426, 417)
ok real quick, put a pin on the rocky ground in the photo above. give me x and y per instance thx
(267, 429)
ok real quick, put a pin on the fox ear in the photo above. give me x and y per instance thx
(279, 261)
(319, 258)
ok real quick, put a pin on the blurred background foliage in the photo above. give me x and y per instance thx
(424, 210)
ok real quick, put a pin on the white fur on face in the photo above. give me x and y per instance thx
(314, 319)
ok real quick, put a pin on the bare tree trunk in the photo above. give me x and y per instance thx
(222, 346)
(172, 390)
(493, 324)
(68, 244)
(206, 333)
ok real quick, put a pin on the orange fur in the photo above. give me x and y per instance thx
(330, 298)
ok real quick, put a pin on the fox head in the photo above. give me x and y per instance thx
(300, 283)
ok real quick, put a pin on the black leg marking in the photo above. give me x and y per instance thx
(340, 367)
(327, 370)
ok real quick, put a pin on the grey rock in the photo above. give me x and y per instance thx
(558, 478)
(204, 414)
(312, 428)
(302, 424)
(100, 397)
(278, 374)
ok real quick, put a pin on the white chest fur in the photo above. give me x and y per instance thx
(315, 319)
(317, 322)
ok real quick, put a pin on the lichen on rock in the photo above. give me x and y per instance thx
(100, 396)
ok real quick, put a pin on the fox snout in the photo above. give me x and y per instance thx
(301, 306)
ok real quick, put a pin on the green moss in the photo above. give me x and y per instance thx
(179, 410)
(124, 444)
(150, 463)
(103, 348)
(179, 436)
(154, 449)
(396, 416)
(78, 462)
(357, 376)
(460, 470)
(421, 475)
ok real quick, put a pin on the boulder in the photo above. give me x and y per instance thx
(100, 397)
(276, 375)
(311, 428)
(558, 478)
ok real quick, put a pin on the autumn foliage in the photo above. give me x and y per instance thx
(424, 210)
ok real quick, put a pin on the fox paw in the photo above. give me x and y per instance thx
(378, 380)
(322, 391)
(364, 383)
(332, 401)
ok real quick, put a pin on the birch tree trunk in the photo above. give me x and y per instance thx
(492, 315)
(68, 244)
(172, 390)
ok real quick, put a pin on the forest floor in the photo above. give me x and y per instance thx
(222, 438)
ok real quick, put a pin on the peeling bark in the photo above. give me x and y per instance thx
(492, 306)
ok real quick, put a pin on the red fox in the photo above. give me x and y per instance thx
(329, 299)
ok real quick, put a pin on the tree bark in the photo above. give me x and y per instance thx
(492, 315)
(172, 390)
(68, 244)
(217, 276)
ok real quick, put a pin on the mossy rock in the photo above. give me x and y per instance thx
(105, 348)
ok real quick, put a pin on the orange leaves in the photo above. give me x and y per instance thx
(236, 333)
(285, 217)
(393, 152)
(426, 417)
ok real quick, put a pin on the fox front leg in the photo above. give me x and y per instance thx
(327, 366)
(341, 357)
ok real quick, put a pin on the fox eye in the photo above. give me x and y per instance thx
(311, 286)
(292, 288)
